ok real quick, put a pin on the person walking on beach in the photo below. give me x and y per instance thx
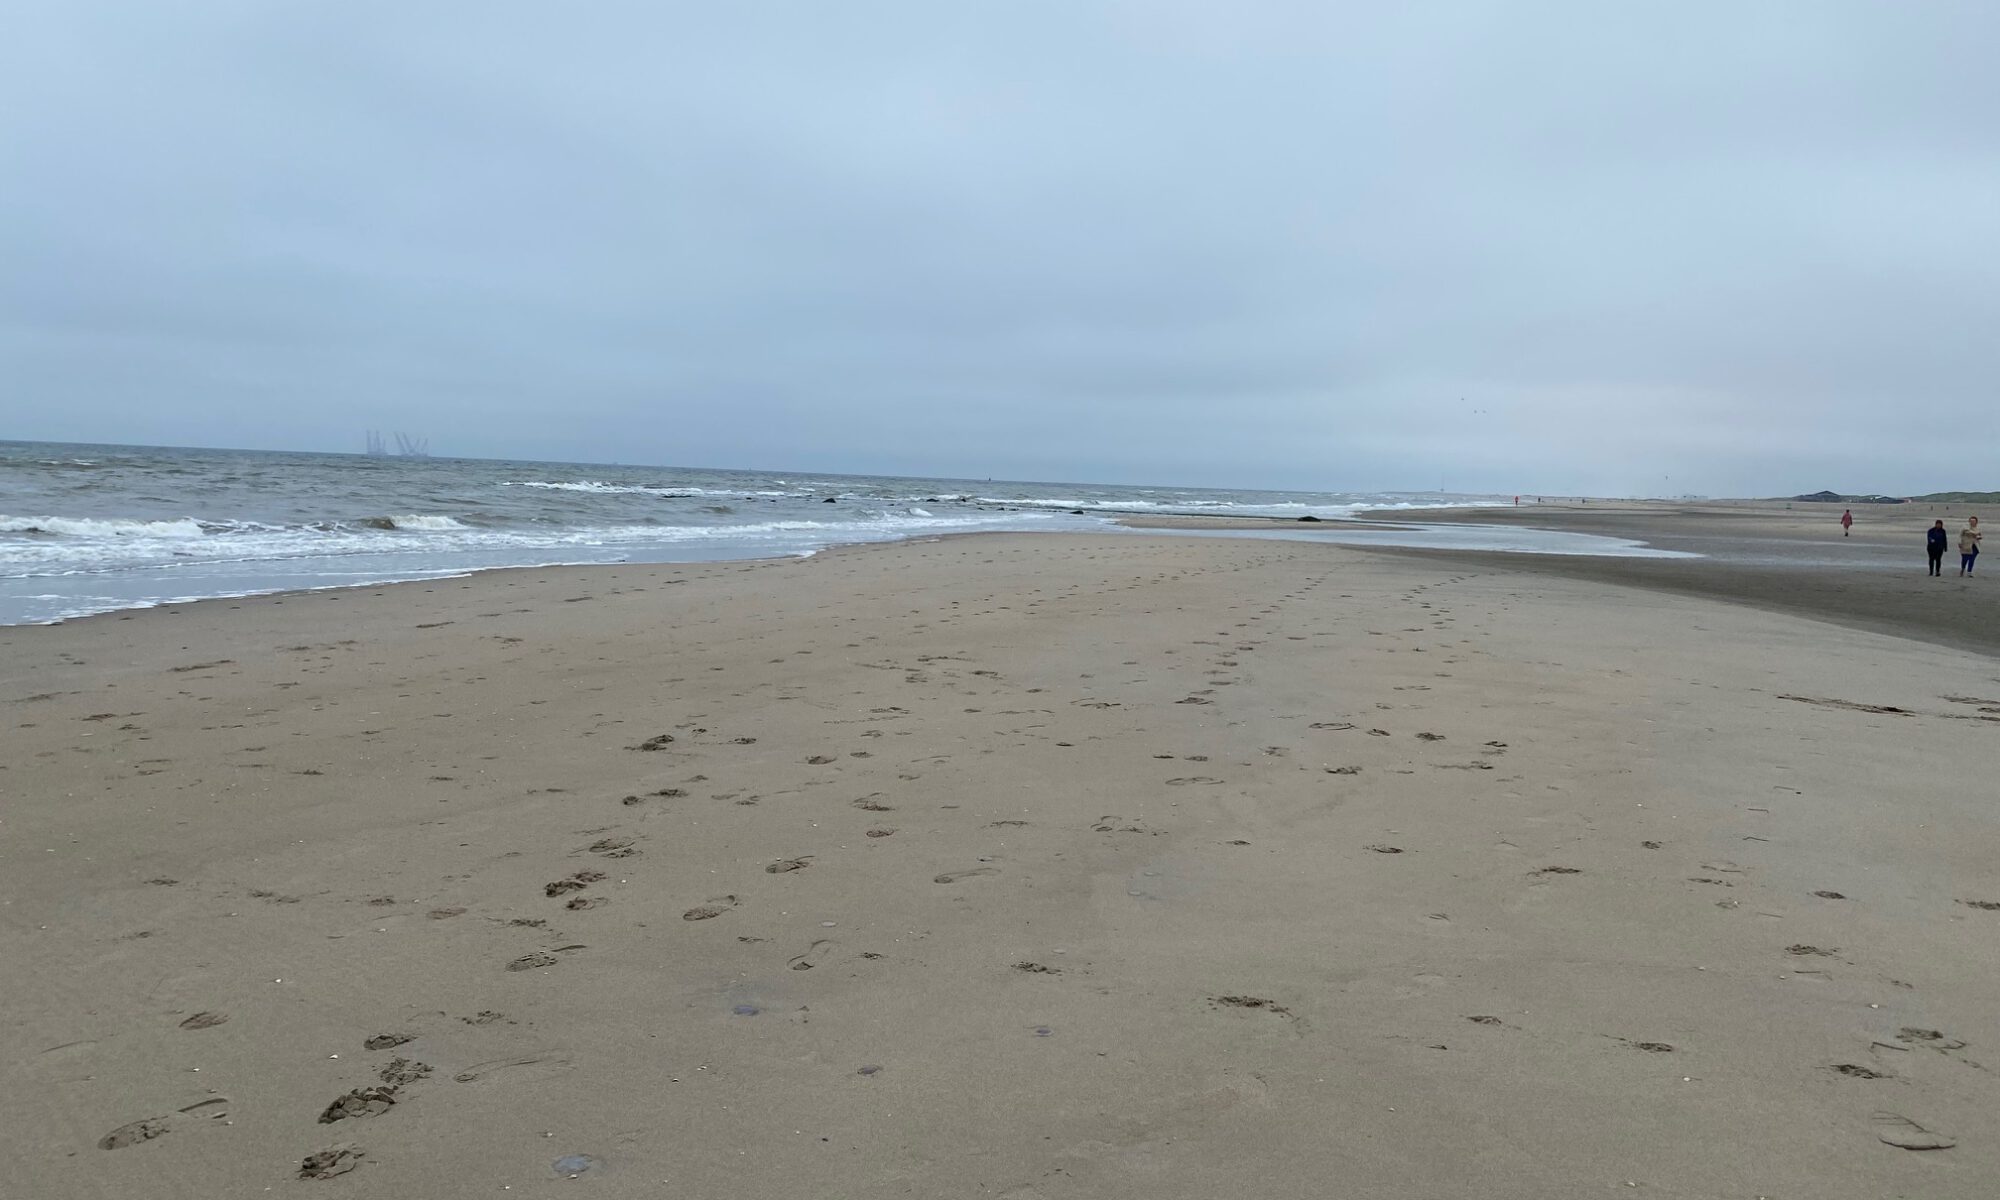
(1968, 545)
(1846, 522)
(1934, 543)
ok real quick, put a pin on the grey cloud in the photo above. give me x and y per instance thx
(1555, 247)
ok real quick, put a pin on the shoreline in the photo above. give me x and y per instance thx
(1785, 569)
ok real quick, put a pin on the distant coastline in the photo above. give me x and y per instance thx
(1878, 498)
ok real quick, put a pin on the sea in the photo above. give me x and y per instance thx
(88, 529)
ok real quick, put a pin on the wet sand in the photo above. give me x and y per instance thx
(1016, 866)
(1789, 559)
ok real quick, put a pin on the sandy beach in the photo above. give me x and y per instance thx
(1018, 866)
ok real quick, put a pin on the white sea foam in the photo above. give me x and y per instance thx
(90, 527)
(432, 522)
(161, 544)
(597, 487)
(600, 488)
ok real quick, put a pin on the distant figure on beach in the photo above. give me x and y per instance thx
(1968, 545)
(1934, 543)
(1846, 522)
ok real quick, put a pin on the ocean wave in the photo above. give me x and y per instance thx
(90, 527)
(425, 522)
(599, 488)
(664, 491)
(37, 464)
(435, 538)
(127, 529)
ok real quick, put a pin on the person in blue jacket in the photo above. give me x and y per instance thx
(1935, 541)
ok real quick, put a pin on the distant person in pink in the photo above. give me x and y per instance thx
(1846, 522)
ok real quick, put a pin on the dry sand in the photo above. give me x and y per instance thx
(1003, 866)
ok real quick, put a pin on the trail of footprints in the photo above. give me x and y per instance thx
(1233, 655)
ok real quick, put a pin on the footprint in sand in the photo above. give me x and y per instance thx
(584, 903)
(530, 962)
(332, 1161)
(1935, 1039)
(134, 1132)
(361, 1102)
(787, 865)
(1906, 1134)
(868, 804)
(386, 1041)
(1254, 1003)
(714, 908)
(204, 1020)
(955, 876)
(575, 883)
(812, 956)
(880, 833)
(1185, 780)
(672, 793)
(819, 760)
(614, 847)
(403, 1070)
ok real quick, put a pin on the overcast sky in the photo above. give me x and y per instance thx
(1740, 248)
